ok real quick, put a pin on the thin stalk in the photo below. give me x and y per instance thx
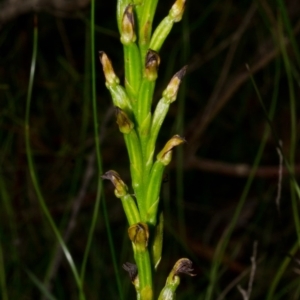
(97, 146)
(280, 272)
(32, 170)
(289, 28)
(85, 111)
(40, 285)
(112, 249)
(65, 223)
(295, 206)
(8, 210)
(222, 245)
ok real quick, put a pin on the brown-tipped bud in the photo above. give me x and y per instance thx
(165, 155)
(139, 235)
(125, 124)
(183, 266)
(151, 65)
(170, 93)
(132, 271)
(120, 187)
(177, 10)
(128, 29)
(109, 73)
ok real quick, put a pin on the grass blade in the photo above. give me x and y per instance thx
(31, 164)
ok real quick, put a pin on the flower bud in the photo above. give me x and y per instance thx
(128, 29)
(109, 73)
(125, 124)
(165, 155)
(151, 65)
(177, 10)
(120, 187)
(170, 93)
(183, 266)
(139, 235)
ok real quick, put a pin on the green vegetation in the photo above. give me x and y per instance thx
(97, 97)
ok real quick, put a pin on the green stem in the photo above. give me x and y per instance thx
(159, 115)
(133, 71)
(165, 26)
(160, 33)
(131, 211)
(136, 168)
(145, 26)
(142, 259)
(152, 196)
(144, 104)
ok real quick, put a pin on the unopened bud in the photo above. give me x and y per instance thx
(151, 65)
(125, 124)
(120, 187)
(109, 73)
(128, 29)
(165, 155)
(183, 266)
(139, 235)
(177, 10)
(170, 93)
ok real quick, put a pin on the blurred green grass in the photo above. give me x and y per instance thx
(201, 193)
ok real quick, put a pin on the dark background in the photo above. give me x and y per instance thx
(218, 112)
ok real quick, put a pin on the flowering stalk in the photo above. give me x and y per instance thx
(140, 127)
